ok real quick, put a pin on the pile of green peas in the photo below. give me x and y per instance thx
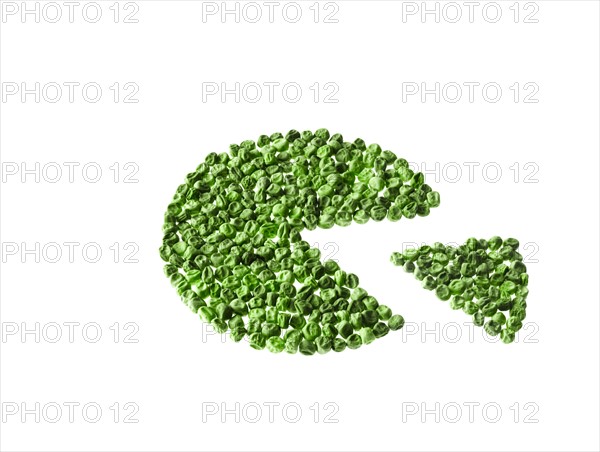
(487, 279)
(233, 247)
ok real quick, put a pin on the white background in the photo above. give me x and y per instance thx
(177, 370)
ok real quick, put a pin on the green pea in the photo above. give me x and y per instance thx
(369, 318)
(258, 313)
(513, 243)
(519, 267)
(254, 326)
(443, 292)
(342, 315)
(396, 322)
(441, 258)
(224, 311)
(237, 334)
(356, 320)
(514, 323)
(297, 321)
(324, 344)
(358, 294)
(468, 294)
(436, 268)
(380, 330)
(397, 259)
(331, 267)
(354, 341)
(328, 295)
(340, 277)
(495, 243)
(492, 328)
(467, 269)
(257, 341)
(366, 335)
(328, 316)
(376, 183)
(506, 252)
(339, 345)
(345, 328)
(457, 287)
(470, 307)
(433, 199)
(270, 329)
(499, 318)
(484, 301)
(411, 254)
(311, 331)
(207, 314)
(195, 303)
(292, 341)
(307, 347)
(378, 213)
(443, 278)
(478, 319)
(361, 217)
(370, 302)
(394, 213)
(384, 312)
(329, 330)
(352, 281)
(236, 321)
(275, 344)
(283, 320)
(496, 279)
(457, 302)
(490, 309)
(420, 273)
(481, 281)
(505, 304)
(314, 317)
(219, 325)
(508, 287)
(507, 336)
(429, 283)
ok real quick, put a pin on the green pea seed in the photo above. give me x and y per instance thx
(275, 344)
(307, 347)
(354, 341)
(396, 322)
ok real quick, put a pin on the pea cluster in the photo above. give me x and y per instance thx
(484, 278)
(233, 247)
